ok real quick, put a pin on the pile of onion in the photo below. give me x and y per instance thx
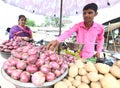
(12, 44)
(35, 64)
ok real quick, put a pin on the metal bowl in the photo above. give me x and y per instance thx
(74, 46)
(20, 84)
(5, 55)
(116, 55)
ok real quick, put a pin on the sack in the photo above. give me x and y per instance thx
(104, 60)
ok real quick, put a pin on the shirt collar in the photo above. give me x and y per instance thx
(83, 26)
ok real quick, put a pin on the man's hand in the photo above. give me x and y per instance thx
(53, 45)
(97, 55)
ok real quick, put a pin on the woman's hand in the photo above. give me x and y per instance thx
(23, 38)
(26, 38)
(53, 45)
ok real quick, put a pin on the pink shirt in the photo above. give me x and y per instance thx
(86, 37)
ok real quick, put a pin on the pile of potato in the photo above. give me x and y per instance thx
(91, 75)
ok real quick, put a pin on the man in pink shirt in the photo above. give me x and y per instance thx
(87, 32)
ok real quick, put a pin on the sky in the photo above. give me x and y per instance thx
(104, 15)
(9, 15)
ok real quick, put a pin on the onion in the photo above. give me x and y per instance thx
(47, 59)
(16, 74)
(50, 76)
(31, 68)
(32, 51)
(10, 69)
(25, 76)
(42, 48)
(64, 66)
(57, 73)
(8, 43)
(60, 61)
(40, 62)
(62, 70)
(15, 47)
(14, 44)
(25, 56)
(16, 54)
(50, 52)
(10, 47)
(43, 56)
(45, 69)
(38, 78)
(54, 57)
(13, 52)
(4, 47)
(54, 65)
(12, 61)
(6, 65)
(21, 64)
(32, 59)
(25, 49)
(7, 50)
(19, 49)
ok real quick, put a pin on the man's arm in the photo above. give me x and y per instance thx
(55, 43)
(100, 42)
(67, 33)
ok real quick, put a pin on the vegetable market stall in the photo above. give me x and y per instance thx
(79, 74)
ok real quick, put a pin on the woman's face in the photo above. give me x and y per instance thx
(22, 21)
(88, 15)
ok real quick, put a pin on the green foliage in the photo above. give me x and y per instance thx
(30, 23)
(52, 21)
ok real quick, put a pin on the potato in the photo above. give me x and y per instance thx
(100, 76)
(73, 71)
(82, 71)
(64, 79)
(85, 79)
(83, 85)
(68, 82)
(115, 66)
(109, 81)
(90, 67)
(118, 63)
(102, 68)
(76, 83)
(71, 64)
(115, 71)
(60, 84)
(78, 77)
(95, 85)
(79, 63)
(71, 87)
(70, 78)
(93, 76)
(118, 81)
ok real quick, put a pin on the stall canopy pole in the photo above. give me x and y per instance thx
(60, 23)
(60, 16)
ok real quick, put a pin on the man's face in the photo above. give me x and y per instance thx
(88, 15)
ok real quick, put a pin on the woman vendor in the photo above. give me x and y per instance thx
(20, 30)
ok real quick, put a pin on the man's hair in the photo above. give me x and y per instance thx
(92, 6)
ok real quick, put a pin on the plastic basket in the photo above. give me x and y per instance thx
(20, 84)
